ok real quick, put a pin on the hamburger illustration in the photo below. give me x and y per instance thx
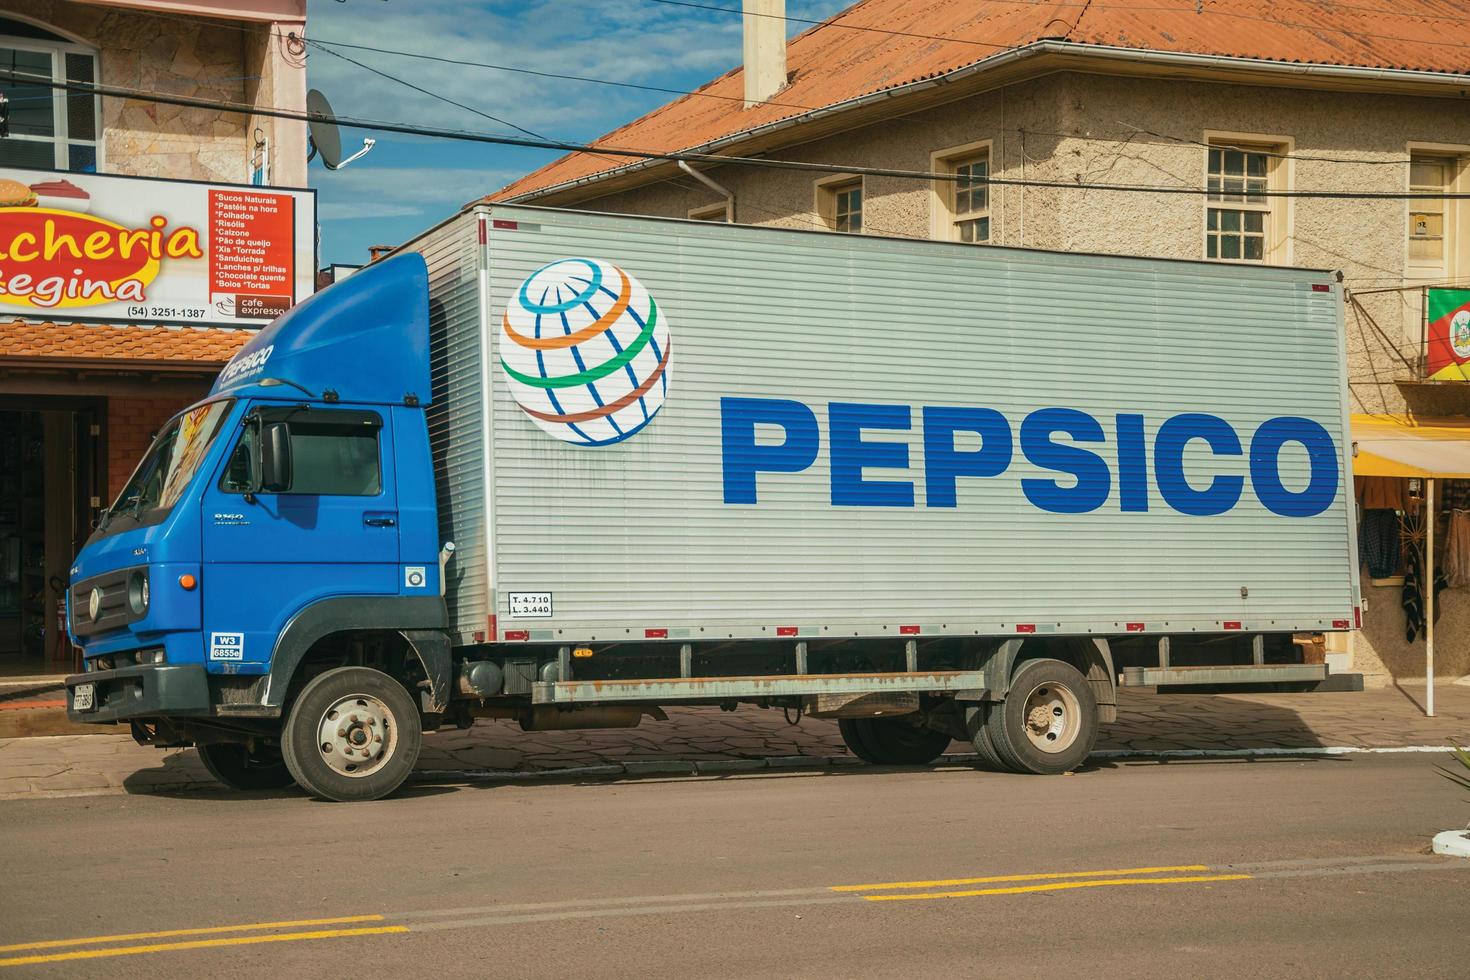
(14, 194)
(62, 195)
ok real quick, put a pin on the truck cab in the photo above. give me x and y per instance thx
(294, 503)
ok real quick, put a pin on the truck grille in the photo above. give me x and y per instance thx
(112, 612)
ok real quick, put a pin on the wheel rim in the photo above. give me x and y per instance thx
(356, 736)
(1052, 718)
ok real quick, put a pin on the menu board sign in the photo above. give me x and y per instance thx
(102, 248)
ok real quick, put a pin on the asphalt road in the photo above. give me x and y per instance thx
(1280, 868)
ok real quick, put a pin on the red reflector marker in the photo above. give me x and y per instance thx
(482, 231)
(785, 630)
(1025, 627)
(492, 627)
(1321, 287)
(659, 634)
(1231, 624)
(504, 224)
(517, 634)
(909, 630)
(1339, 624)
(1135, 627)
(1357, 617)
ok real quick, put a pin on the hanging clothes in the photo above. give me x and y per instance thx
(1378, 542)
(1413, 595)
(1456, 558)
(1382, 492)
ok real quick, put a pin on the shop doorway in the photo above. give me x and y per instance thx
(49, 489)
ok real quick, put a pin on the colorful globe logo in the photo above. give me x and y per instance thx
(586, 352)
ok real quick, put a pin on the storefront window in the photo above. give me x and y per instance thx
(50, 129)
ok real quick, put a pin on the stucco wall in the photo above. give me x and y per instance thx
(1071, 127)
(194, 57)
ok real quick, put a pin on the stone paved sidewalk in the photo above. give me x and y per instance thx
(710, 740)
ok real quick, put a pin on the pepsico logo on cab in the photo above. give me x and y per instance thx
(585, 350)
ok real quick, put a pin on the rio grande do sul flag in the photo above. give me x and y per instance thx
(1449, 335)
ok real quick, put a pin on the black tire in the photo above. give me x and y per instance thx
(852, 735)
(375, 716)
(901, 741)
(1042, 688)
(238, 767)
(980, 738)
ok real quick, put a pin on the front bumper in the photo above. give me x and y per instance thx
(142, 691)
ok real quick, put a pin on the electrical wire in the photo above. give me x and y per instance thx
(560, 76)
(631, 153)
(1199, 10)
(419, 88)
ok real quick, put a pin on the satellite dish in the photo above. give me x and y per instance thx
(326, 137)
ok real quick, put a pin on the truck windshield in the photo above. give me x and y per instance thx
(166, 469)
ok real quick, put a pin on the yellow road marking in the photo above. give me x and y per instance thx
(1051, 887)
(948, 882)
(209, 930)
(279, 937)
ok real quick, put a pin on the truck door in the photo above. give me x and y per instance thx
(333, 532)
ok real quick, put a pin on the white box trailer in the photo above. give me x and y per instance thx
(685, 461)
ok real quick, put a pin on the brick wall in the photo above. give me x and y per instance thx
(131, 423)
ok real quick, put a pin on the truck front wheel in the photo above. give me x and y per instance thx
(352, 734)
(1048, 722)
(901, 741)
(241, 767)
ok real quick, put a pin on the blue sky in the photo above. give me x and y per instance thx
(407, 183)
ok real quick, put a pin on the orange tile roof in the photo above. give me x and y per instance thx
(830, 64)
(80, 341)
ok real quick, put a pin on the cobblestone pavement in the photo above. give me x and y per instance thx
(710, 740)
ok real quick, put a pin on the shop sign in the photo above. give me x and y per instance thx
(109, 249)
(1448, 335)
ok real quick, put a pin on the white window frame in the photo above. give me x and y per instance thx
(710, 212)
(1456, 217)
(1277, 227)
(826, 190)
(944, 222)
(60, 139)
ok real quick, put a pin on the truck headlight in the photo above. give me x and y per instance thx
(138, 593)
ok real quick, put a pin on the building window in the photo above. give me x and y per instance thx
(848, 209)
(50, 129)
(713, 212)
(1430, 227)
(1242, 224)
(962, 205)
(840, 203)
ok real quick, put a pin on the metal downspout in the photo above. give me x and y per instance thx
(712, 185)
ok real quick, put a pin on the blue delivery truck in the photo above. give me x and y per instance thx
(571, 469)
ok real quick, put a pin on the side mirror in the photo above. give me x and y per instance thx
(275, 458)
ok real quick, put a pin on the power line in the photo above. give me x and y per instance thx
(1199, 10)
(319, 42)
(421, 89)
(687, 156)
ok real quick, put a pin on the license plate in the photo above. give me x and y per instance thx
(84, 697)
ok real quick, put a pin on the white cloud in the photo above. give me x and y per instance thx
(365, 191)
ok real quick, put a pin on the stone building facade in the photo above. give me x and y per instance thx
(1192, 103)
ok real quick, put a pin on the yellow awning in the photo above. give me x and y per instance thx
(1396, 445)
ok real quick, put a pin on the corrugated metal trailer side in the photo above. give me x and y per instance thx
(927, 397)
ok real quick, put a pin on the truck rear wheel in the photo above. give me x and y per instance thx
(901, 741)
(352, 734)
(240, 767)
(1047, 723)
(980, 737)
